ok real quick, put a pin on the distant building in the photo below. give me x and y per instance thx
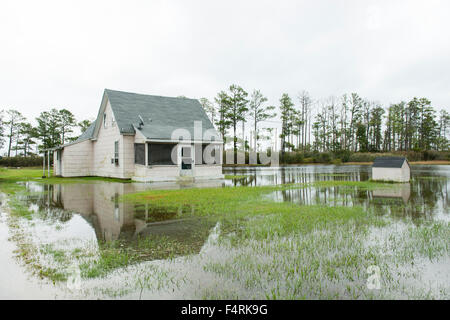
(144, 138)
(391, 169)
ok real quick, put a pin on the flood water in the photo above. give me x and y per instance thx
(94, 210)
(73, 212)
(426, 196)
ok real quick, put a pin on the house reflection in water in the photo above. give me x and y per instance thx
(113, 220)
(99, 204)
(399, 191)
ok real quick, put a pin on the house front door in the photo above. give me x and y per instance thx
(187, 160)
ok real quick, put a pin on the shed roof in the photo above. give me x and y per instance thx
(389, 162)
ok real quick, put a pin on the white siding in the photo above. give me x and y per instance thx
(174, 172)
(127, 156)
(76, 160)
(104, 150)
(406, 172)
(156, 173)
(402, 174)
(94, 157)
(208, 172)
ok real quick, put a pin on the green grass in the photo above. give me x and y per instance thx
(9, 177)
(362, 185)
(23, 173)
(387, 181)
(231, 202)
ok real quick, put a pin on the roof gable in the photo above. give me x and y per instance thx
(389, 162)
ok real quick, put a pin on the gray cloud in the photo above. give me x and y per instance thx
(64, 53)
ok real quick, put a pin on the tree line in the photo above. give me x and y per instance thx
(53, 128)
(348, 123)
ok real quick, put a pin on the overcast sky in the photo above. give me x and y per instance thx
(64, 53)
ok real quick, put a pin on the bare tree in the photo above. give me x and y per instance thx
(209, 108)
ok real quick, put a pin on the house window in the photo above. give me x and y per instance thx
(104, 120)
(116, 153)
(139, 153)
(160, 154)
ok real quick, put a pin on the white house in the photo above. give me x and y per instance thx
(144, 138)
(391, 169)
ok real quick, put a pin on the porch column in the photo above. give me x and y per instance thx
(220, 149)
(43, 165)
(48, 155)
(146, 154)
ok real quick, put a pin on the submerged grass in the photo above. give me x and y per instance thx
(331, 262)
(26, 250)
(120, 253)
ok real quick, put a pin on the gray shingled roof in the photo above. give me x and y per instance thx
(84, 136)
(161, 115)
(388, 162)
(87, 134)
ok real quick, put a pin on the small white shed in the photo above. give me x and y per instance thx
(391, 169)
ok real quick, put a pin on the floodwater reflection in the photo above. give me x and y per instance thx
(426, 196)
(402, 191)
(113, 220)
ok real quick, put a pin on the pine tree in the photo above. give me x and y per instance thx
(259, 111)
(236, 110)
(286, 112)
